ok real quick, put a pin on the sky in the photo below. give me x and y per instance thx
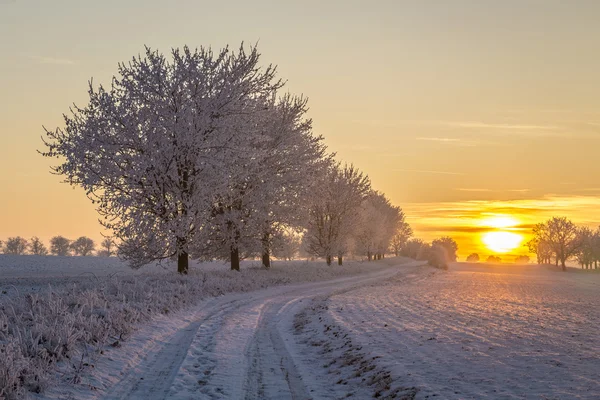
(459, 111)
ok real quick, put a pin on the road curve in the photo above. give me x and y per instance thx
(241, 346)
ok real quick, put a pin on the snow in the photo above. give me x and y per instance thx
(481, 331)
(390, 329)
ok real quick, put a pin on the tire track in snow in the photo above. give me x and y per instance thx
(153, 379)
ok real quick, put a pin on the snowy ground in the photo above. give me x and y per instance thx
(480, 331)
(395, 331)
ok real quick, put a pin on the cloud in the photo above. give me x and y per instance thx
(438, 139)
(422, 171)
(51, 60)
(473, 190)
(518, 127)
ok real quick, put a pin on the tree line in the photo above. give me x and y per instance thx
(200, 155)
(558, 240)
(59, 246)
(438, 253)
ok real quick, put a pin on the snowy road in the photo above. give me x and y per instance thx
(240, 346)
(404, 332)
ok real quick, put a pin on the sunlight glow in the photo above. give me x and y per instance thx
(502, 242)
(500, 221)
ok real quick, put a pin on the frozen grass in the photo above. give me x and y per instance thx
(62, 325)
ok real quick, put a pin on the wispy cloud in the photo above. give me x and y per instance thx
(423, 171)
(518, 127)
(519, 190)
(440, 139)
(51, 60)
(473, 190)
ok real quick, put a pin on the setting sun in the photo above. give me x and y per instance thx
(502, 242)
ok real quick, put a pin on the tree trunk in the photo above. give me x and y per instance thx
(328, 260)
(182, 257)
(266, 259)
(266, 255)
(235, 259)
(182, 263)
(369, 255)
(562, 264)
(340, 261)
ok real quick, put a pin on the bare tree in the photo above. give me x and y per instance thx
(539, 246)
(60, 246)
(108, 248)
(83, 246)
(37, 247)
(15, 245)
(562, 236)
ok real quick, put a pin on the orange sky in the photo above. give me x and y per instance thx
(457, 110)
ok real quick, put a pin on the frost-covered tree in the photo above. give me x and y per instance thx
(286, 244)
(412, 248)
(378, 222)
(60, 246)
(83, 246)
(15, 245)
(449, 245)
(334, 210)
(153, 149)
(37, 247)
(585, 252)
(269, 184)
(403, 233)
(473, 257)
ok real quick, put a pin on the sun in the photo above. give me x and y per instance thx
(502, 242)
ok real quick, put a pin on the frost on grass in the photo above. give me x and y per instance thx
(63, 327)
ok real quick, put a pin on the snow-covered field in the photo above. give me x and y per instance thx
(480, 331)
(393, 329)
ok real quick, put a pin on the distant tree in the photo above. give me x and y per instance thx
(522, 259)
(437, 256)
(374, 228)
(36, 247)
(493, 259)
(60, 246)
(107, 248)
(286, 245)
(585, 254)
(449, 245)
(401, 236)
(83, 246)
(15, 245)
(412, 248)
(596, 247)
(473, 257)
(540, 247)
(562, 236)
(334, 212)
